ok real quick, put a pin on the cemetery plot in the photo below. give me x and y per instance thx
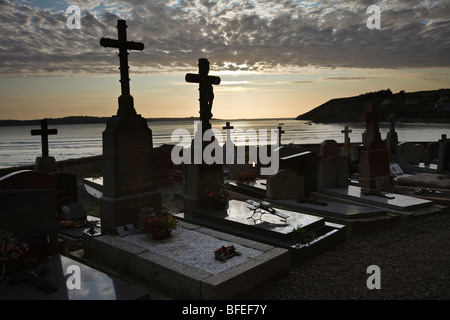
(184, 265)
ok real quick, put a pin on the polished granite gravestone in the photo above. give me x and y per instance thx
(273, 229)
(30, 214)
(57, 279)
(28, 209)
(357, 217)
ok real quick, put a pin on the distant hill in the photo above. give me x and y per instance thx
(421, 106)
(74, 120)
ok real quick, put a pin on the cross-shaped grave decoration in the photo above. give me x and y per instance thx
(44, 132)
(125, 101)
(206, 90)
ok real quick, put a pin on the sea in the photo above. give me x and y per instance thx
(19, 148)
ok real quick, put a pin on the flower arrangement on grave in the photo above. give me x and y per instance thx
(11, 251)
(246, 177)
(225, 252)
(160, 225)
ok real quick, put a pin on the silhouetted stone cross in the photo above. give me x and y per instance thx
(44, 132)
(346, 131)
(206, 90)
(123, 45)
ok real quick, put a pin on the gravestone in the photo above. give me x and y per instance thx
(432, 152)
(444, 154)
(66, 190)
(45, 163)
(28, 209)
(410, 153)
(374, 164)
(392, 136)
(200, 176)
(305, 164)
(347, 144)
(332, 169)
(285, 184)
(329, 148)
(128, 166)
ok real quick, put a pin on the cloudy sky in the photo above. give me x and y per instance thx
(276, 58)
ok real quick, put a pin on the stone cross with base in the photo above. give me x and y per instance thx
(346, 132)
(128, 163)
(206, 90)
(126, 104)
(44, 132)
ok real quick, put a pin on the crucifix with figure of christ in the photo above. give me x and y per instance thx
(126, 105)
(206, 90)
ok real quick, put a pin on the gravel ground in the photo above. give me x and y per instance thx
(413, 257)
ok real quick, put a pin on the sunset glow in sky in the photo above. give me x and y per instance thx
(276, 59)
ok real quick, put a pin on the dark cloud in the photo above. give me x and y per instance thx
(247, 35)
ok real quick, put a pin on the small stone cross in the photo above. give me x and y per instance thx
(346, 132)
(44, 132)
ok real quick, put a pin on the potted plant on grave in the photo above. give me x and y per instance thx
(11, 252)
(160, 225)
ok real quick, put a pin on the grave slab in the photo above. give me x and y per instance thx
(240, 220)
(94, 284)
(357, 218)
(397, 202)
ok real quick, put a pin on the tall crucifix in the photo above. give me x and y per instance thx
(44, 132)
(206, 90)
(126, 105)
